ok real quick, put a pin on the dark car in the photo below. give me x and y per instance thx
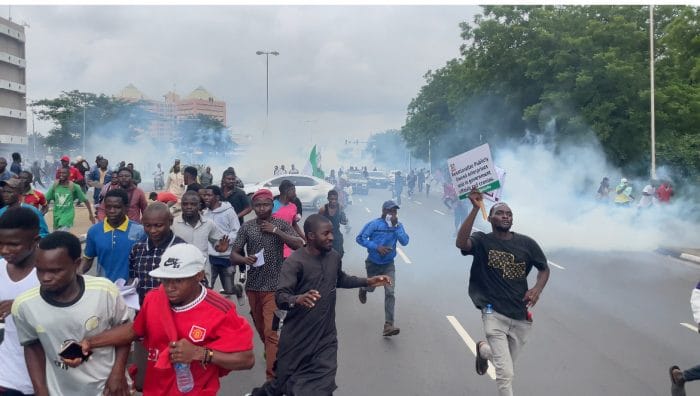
(378, 179)
(357, 182)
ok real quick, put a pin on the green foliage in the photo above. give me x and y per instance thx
(385, 147)
(203, 135)
(102, 116)
(579, 68)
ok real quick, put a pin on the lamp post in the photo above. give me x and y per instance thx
(267, 78)
(651, 81)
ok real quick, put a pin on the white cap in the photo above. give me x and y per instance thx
(648, 189)
(623, 180)
(180, 261)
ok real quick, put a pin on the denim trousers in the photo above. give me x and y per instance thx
(389, 300)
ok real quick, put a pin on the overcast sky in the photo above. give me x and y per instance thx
(349, 71)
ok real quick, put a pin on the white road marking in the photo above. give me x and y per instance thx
(556, 265)
(438, 212)
(690, 327)
(367, 209)
(418, 202)
(403, 255)
(469, 341)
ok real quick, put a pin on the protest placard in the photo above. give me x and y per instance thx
(474, 169)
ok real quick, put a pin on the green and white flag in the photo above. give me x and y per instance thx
(313, 164)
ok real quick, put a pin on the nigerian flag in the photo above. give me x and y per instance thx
(313, 164)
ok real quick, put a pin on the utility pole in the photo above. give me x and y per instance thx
(84, 136)
(430, 162)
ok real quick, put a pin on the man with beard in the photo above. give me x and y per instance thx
(176, 182)
(498, 287)
(19, 235)
(307, 358)
(269, 234)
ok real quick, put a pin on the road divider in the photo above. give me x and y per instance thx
(438, 212)
(403, 255)
(469, 341)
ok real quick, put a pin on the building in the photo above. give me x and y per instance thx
(173, 109)
(13, 88)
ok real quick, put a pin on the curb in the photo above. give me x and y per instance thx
(679, 255)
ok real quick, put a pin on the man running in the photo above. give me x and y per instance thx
(64, 192)
(111, 240)
(335, 213)
(184, 324)
(498, 287)
(307, 358)
(19, 235)
(265, 236)
(137, 198)
(64, 309)
(379, 237)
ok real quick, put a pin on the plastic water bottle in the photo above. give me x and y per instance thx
(183, 377)
(489, 309)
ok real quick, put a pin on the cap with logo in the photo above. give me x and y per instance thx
(390, 204)
(180, 261)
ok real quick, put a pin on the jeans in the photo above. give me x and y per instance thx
(262, 310)
(692, 374)
(224, 272)
(389, 300)
(505, 339)
(10, 392)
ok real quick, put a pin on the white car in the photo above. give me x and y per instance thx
(311, 191)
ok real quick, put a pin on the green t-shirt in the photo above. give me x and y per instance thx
(63, 209)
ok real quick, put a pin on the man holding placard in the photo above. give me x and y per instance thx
(498, 287)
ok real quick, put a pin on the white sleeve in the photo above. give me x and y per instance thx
(695, 303)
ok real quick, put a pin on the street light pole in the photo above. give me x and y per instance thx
(651, 79)
(83, 130)
(267, 80)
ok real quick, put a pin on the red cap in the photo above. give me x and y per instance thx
(262, 194)
(65, 158)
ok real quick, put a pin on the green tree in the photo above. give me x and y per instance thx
(204, 135)
(99, 115)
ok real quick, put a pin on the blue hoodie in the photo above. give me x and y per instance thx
(378, 233)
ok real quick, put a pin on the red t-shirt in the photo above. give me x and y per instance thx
(35, 198)
(213, 323)
(73, 174)
(166, 196)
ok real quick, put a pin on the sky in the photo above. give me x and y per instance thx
(343, 71)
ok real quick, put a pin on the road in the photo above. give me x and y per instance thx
(607, 323)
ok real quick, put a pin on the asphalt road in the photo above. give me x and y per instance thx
(607, 323)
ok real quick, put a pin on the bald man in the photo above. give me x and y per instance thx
(498, 287)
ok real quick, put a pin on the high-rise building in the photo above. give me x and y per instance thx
(173, 109)
(13, 89)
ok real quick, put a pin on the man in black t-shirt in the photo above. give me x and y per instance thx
(240, 202)
(498, 287)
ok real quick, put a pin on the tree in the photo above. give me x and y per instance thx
(204, 135)
(99, 115)
(565, 72)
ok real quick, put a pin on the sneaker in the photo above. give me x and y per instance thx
(481, 364)
(363, 296)
(390, 330)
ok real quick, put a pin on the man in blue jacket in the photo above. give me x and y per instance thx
(379, 236)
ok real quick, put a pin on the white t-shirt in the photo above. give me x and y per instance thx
(99, 307)
(13, 369)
